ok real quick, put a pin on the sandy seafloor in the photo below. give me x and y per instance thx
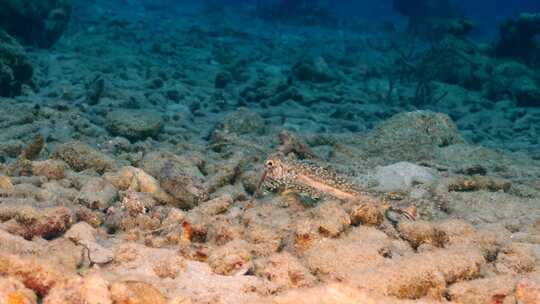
(155, 130)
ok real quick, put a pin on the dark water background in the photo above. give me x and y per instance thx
(486, 14)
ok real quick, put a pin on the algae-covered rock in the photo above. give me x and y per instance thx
(97, 193)
(242, 121)
(314, 69)
(178, 176)
(134, 124)
(35, 22)
(412, 136)
(80, 156)
(30, 222)
(285, 271)
(137, 180)
(15, 68)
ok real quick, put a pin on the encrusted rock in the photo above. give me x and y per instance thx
(242, 121)
(331, 219)
(80, 156)
(37, 275)
(134, 124)
(234, 258)
(478, 291)
(51, 168)
(92, 289)
(178, 176)
(477, 183)
(365, 212)
(136, 292)
(285, 271)
(135, 179)
(29, 222)
(314, 69)
(412, 136)
(14, 292)
(5, 183)
(97, 193)
(515, 259)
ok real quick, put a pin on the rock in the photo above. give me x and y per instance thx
(285, 271)
(80, 156)
(331, 219)
(515, 259)
(92, 289)
(314, 69)
(213, 207)
(15, 68)
(234, 258)
(15, 244)
(412, 136)
(51, 169)
(478, 183)
(14, 292)
(169, 268)
(242, 121)
(338, 293)
(136, 292)
(134, 124)
(477, 291)
(366, 212)
(85, 235)
(178, 176)
(358, 250)
(5, 183)
(29, 222)
(403, 176)
(528, 291)
(422, 233)
(421, 274)
(97, 193)
(37, 275)
(36, 22)
(137, 180)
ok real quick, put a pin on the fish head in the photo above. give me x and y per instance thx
(275, 169)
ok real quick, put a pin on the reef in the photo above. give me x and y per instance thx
(35, 22)
(433, 19)
(15, 67)
(517, 39)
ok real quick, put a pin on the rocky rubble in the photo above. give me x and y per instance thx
(130, 170)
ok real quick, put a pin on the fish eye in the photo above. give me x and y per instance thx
(269, 163)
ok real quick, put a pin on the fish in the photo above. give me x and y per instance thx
(316, 181)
